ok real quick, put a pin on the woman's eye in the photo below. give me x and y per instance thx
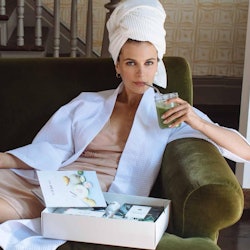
(149, 63)
(130, 63)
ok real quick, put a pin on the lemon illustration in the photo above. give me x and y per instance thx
(89, 201)
(66, 180)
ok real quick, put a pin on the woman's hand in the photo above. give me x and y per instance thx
(183, 112)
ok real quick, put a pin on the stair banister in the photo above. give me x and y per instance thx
(73, 29)
(37, 7)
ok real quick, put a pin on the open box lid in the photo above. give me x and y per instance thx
(70, 189)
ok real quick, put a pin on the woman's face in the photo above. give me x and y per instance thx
(137, 65)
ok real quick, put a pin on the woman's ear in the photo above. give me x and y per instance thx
(117, 68)
(118, 71)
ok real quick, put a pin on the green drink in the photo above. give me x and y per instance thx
(162, 106)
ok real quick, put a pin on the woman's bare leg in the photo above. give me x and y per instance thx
(7, 212)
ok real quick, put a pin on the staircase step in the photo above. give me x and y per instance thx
(29, 42)
(4, 18)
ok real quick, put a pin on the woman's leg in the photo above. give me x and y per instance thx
(7, 212)
(16, 198)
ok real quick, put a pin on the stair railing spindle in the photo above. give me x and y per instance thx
(2, 7)
(3, 29)
(20, 22)
(89, 29)
(73, 28)
(105, 41)
(56, 28)
(37, 7)
(38, 25)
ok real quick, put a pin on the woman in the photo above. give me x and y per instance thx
(106, 131)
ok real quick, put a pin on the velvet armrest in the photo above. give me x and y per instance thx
(204, 191)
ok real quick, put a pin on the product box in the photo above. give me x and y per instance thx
(108, 231)
(77, 210)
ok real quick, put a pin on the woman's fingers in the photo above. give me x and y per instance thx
(183, 112)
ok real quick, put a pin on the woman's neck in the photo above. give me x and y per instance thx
(131, 100)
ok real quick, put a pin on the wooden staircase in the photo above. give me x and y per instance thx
(30, 29)
(9, 40)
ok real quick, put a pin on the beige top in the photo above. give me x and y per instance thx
(102, 155)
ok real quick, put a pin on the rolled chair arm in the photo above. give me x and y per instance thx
(204, 191)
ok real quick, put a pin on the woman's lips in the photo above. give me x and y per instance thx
(140, 83)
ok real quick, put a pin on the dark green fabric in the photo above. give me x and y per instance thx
(199, 182)
(32, 89)
(168, 242)
(173, 242)
(204, 192)
(179, 78)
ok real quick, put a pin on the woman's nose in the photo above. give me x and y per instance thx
(139, 70)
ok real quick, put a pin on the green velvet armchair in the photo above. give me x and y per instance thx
(205, 194)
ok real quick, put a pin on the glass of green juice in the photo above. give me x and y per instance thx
(162, 106)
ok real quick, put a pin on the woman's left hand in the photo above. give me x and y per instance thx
(183, 112)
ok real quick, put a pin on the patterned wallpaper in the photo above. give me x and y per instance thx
(209, 33)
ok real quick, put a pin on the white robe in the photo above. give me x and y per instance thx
(66, 135)
(69, 131)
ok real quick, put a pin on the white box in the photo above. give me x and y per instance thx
(109, 231)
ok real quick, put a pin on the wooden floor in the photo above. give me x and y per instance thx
(236, 237)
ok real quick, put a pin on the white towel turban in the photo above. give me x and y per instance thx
(141, 20)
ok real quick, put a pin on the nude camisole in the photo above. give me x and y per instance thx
(101, 155)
